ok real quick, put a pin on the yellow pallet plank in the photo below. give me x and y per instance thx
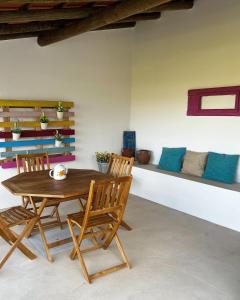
(34, 103)
(36, 124)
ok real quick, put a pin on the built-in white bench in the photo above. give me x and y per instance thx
(210, 200)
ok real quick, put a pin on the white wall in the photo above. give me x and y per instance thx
(184, 50)
(189, 49)
(93, 70)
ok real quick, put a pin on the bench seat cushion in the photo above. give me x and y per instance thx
(221, 167)
(194, 163)
(171, 159)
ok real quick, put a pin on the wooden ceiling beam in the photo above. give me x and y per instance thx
(35, 34)
(109, 15)
(174, 5)
(43, 15)
(118, 26)
(58, 1)
(142, 17)
(51, 25)
(29, 27)
(4, 37)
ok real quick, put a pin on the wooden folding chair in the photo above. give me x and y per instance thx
(33, 163)
(104, 211)
(16, 216)
(120, 166)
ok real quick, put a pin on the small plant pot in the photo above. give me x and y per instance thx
(143, 157)
(16, 136)
(103, 167)
(44, 125)
(58, 143)
(60, 115)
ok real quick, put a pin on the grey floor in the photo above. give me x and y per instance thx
(174, 257)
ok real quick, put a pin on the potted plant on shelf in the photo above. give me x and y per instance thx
(44, 121)
(16, 131)
(58, 139)
(103, 161)
(60, 111)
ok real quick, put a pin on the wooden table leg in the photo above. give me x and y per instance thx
(41, 231)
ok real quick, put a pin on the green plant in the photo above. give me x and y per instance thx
(16, 128)
(60, 107)
(103, 157)
(58, 136)
(43, 118)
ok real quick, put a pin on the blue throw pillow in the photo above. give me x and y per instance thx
(171, 159)
(221, 167)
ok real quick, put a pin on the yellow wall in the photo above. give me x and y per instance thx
(183, 50)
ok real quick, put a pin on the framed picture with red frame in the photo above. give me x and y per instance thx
(197, 97)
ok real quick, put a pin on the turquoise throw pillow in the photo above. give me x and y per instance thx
(221, 167)
(171, 159)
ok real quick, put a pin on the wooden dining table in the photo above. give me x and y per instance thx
(40, 185)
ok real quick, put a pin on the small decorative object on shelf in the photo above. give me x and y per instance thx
(129, 143)
(143, 156)
(44, 121)
(58, 139)
(128, 152)
(60, 111)
(103, 159)
(16, 131)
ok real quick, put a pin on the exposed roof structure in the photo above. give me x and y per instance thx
(55, 20)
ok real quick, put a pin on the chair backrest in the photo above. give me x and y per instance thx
(108, 197)
(120, 165)
(32, 162)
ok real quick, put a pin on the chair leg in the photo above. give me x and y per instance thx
(44, 241)
(117, 267)
(81, 204)
(77, 244)
(5, 237)
(42, 234)
(121, 250)
(126, 226)
(17, 242)
(76, 250)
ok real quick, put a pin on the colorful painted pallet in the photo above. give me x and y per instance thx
(22, 110)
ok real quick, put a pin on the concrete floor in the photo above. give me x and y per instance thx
(174, 257)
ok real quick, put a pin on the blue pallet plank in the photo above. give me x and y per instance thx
(54, 150)
(22, 143)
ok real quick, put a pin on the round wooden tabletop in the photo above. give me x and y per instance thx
(39, 184)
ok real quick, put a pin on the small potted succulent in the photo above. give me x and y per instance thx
(60, 111)
(44, 121)
(58, 139)
(103, 159)
(16, 131)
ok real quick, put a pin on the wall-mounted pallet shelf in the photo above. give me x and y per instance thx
(33, 139)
